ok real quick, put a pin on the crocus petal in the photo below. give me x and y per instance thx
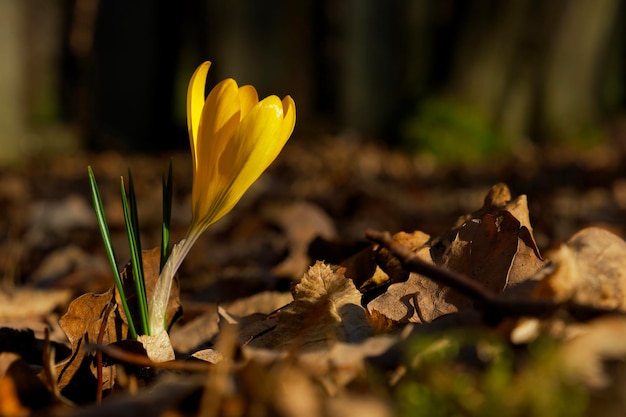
(195, 103)
(248, 98)
(289, 114)
(220, 118)
(254, 146)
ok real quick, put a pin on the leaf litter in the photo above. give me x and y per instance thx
(358, 333)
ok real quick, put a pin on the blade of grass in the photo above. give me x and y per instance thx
(135, 259)
(108, 246)
(167, 216)
(133, 212)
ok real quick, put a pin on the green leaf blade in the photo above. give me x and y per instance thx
(108, 245)
(132, 231)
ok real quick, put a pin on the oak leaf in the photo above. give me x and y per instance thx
(326, 309)
(493, 246)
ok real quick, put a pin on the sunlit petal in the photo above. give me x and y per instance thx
(289, 112)
(220, 118)
(252, 149)
(248, 98)
(195, 103)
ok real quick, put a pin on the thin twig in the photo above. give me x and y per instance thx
(494, 306)
(124, 356)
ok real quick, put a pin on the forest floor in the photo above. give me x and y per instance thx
(316, 203)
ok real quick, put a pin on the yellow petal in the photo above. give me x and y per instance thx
(254, 146)
(220, 118)
(289, 112)
(195, 102)
(248, 98)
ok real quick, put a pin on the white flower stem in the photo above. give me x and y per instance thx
(160, 296)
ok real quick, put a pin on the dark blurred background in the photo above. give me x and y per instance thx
(457, 78)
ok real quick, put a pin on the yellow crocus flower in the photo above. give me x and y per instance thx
(234, 137)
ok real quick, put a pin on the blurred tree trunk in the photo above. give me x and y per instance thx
(30, 79)
(12, 82)
(373, 54)
(533, 68)
(136, 49)
(486, 59)
(574, 67)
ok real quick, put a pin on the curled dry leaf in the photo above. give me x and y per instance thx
(589, 269)
(494, 246)
(23, 302)
(82, 324)
(84, 319)
(326, 309)
(335, 367)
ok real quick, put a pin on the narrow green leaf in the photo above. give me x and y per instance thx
(167, 216)
(132, 199)
(108, 246)
(135, 258)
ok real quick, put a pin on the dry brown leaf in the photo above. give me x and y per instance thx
(29, 390)
(201, 329)
(493, 246)
(264, 302)
(208, 355)
(84, 319)
(302, 222)
(24, 302)
(596, 341)
(326, 309)
(249, 313)
(10, 404)
(373, 266)
(34, 309)
(334, 368)
(361, 405)
(590, 269)
(82, 324)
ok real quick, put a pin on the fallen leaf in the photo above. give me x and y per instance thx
(595, 343)
(82, 324)
(84, 319)
(302, 222)
(493, 246)
(20, 387)
(589, 269)
(335, 367)
(25, 302)
(326, 309)
(10, 404)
